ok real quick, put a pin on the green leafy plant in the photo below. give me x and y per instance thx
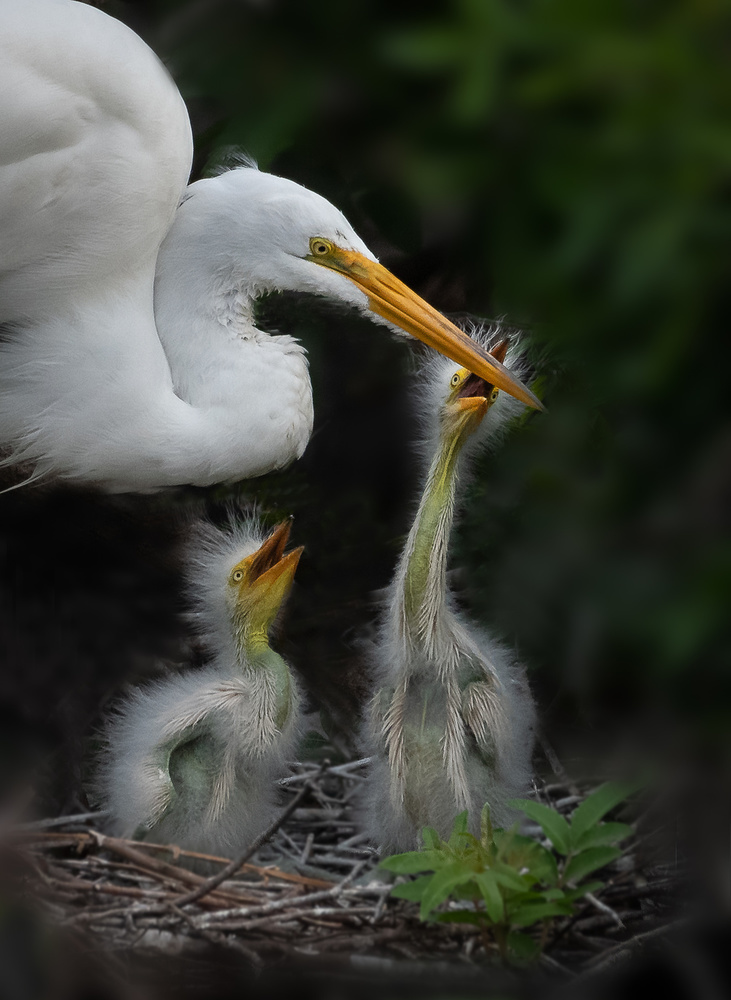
(512, 882)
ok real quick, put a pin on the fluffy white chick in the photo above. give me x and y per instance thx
(450, 722)
(192, 759)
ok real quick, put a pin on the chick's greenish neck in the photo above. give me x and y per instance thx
(255, 655)
(426, 563)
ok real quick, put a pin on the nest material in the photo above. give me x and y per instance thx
(314, 891)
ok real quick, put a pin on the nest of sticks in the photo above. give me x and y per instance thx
(310, 889)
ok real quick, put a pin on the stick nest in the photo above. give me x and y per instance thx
(312, 890)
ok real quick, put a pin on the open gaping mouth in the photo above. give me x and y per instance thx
(269, 562)
(472, 386)
(475, 386)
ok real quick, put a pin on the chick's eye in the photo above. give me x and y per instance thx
(237, 576)
(494, 395)
(455, 380)
(320, 247)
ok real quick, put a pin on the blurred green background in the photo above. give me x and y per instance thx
(562, 164)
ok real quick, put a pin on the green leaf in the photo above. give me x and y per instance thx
(598, 804)
(526, 914)
(458, 829)
(414, 861)
(441, 884)
(542, 865)
(510, 879)
(588, 861)
(431, 839)
(551, 822)
(519, 852)
(604, 833)
(523, 946)
(470, 843)
(413, 890)
(494, 905)
(572, 894)
(468, 890)
(550, 895)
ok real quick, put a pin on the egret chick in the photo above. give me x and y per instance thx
(450, 722)
(192, 759)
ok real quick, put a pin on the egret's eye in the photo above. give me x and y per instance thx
(494, 395)
(237, 576)
(455, 380)
(320, 247)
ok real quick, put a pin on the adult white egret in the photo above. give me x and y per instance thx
(450, 722)
(192, 759)
(129, 354)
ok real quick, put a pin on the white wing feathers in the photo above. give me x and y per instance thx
(95, 151)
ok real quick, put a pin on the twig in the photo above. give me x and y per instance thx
(557, 966)
(266, 871)
(307, 848)
(604, 909)
(215, 937)
(49, 824)
(341, 770)
(611, 955)
(230, 869)
(556, 766)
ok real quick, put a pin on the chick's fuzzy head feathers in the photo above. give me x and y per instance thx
(212, 555)
(436, 381)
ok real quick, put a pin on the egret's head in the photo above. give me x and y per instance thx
(391, 300)
(257, 586)
(265, 233)
(468, 399)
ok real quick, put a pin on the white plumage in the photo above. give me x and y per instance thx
(450, 722)
(192, 759)
(126, 369)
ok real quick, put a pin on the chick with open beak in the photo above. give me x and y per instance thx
(193, 759)
(451, 716)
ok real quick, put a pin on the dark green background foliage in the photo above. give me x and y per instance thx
(563, 164)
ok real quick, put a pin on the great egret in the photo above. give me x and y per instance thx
(450, 723)
(129, 354)
(192, 759)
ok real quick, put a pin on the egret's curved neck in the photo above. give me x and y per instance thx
(253, 388)
(215, 401)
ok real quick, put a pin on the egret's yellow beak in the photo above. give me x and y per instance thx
(394, 301)
(263, 581)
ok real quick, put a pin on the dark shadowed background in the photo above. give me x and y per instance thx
(563, 164)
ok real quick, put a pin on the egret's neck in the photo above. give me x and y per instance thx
(422, 575)
(253, 388)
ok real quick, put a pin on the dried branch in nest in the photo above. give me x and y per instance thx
(309, 886)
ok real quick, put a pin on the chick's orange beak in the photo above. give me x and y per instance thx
(394, 301)
(270, 568)
(266, 578)
(474, 407)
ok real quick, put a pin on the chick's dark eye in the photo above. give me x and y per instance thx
(455, 379)
(237, 576)
(494, 395)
